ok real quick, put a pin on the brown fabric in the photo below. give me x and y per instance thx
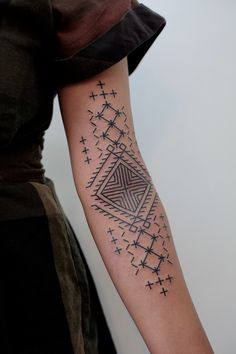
(33, 316)
(107, 32)
(71, 293)
(78, 23)
(22, 164)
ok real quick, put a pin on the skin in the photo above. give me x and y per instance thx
(125, 214)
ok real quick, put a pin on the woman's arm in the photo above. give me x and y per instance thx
(125, 214)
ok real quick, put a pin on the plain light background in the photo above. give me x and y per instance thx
(183, 99)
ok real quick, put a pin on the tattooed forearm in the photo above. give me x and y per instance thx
(123, 192)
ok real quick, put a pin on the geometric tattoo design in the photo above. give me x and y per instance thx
(122, 190)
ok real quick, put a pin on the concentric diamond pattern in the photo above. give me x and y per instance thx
(124, 188)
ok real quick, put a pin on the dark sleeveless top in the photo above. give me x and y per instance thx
(49, 303)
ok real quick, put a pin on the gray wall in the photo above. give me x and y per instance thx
(183, 99)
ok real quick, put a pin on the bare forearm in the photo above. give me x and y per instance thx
(126, 216)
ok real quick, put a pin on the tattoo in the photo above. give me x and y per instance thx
(101, 84)
(93, 96)
(87, 160)
(82, 141)
(123, 192)
(85, 150)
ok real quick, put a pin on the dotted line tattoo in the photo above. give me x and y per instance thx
(123, 192)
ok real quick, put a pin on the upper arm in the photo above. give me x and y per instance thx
(97, 118)
(92, 78)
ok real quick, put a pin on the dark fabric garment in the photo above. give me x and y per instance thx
(131, 36)
(49, 302)
(32, 316)
(48, 299)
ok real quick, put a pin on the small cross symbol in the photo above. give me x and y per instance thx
(156, 270)
(115, 142)
(82, 140)
(117, 250)
(160, 281)
(111, 123)
(122, 133)
(118, 113)
(99, 115)
(164, 291)
(149, 284)
(154, 237)
(109, 231)
(85, 150)
(142, 263)
(104, 135)
(88, 159)
(93, 96)
(161, 216)
(141, 230)
(114, 240)
(148, 250)
(169, 278)
(164, 226)
(113, 93)
(162, 258)
(107, 105)
(104, 94)
(135, 243)
(101, 84)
